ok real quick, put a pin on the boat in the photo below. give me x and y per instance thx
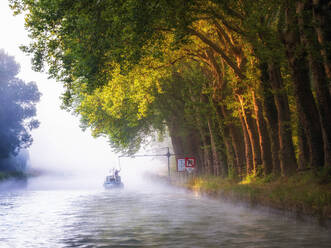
(113, 180)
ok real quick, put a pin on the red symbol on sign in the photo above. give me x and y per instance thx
(190, 162)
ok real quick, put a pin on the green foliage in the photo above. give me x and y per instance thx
(83, 39)
(133, 68)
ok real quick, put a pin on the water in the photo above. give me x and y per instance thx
(149, 216)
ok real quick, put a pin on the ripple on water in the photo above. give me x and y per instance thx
(149, 218)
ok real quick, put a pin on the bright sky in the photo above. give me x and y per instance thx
(59, 144)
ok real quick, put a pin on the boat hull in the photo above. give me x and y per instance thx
(113, 185)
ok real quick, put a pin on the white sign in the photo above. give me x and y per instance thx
(181, 164)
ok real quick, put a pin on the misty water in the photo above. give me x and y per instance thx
(141, 215)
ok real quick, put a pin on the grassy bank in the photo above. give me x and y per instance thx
(12, 175)
(304, 193)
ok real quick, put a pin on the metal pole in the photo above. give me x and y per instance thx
(168, 155)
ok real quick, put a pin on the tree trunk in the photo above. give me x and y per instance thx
(271, 117)
(320, 81)
(304, 98)
(239, 148)
(232, 149)
(287, 158)
(264, 140)
(324, 108)
(185, 143)
(253, 129)
(248, 148)
(194, 144)
(232, 161)
(176, 140)
(303, 153)
(207, 157)
(215, 155)
(321, 15)
(220, 147)
(236, 141)
(253, 140)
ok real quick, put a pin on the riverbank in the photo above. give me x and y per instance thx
(302, 194)
(12, 180)
(12, 175)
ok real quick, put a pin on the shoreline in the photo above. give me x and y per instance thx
(13, 180)
(7, 175)
(302, 197)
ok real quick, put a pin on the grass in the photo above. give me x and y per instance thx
(303, 193)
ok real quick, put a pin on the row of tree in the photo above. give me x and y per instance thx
(243, 85)
(17, 111)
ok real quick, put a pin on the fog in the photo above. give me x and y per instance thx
(69, 158)
(62, 155)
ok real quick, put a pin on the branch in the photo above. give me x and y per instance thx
(218, 70)
(222, 34)
(226, 23)
(167, 64)
(234, 13)
(201, 56)
(217, 49)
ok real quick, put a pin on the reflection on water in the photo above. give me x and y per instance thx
(149, 216)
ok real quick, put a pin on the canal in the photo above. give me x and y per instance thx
(148, 215)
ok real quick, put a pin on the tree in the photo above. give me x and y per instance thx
(123, 63)
(17, 108)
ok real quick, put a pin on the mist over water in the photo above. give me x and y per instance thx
(135, 173)
(151, 215)
(68, 207)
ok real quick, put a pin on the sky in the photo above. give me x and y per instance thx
(59, 144)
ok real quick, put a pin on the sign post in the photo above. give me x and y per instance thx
(168, 156)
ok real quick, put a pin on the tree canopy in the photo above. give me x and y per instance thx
(242, 85)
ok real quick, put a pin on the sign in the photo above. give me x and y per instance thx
(189, 162)
(180, 164)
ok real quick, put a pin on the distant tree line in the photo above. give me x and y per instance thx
(17, 111)
(242, 85)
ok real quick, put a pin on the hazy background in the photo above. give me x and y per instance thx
(60, 147)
